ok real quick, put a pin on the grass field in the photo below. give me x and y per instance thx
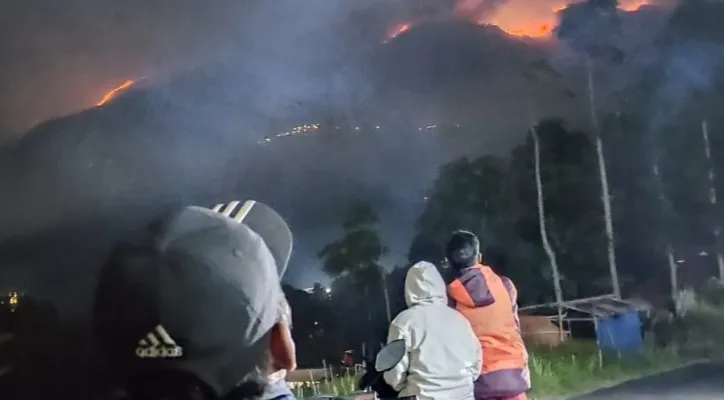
(571, 368)
(578, 367)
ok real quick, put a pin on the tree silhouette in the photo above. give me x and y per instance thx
(496, 199)
(358, 253)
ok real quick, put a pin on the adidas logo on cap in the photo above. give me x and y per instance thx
(158, 344)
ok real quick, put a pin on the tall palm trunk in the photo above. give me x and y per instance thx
(712, 199)
(383, 280)
(605, 195)
(368, 309)
(544, 233)
(665, 208)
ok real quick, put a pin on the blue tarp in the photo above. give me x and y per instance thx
(621, 332)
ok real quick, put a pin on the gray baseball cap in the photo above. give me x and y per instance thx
(197, 296)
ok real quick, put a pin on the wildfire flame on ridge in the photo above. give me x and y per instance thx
(522, 18)
(396, 30)
(113, 92)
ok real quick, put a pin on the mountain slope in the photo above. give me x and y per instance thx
(76, 184)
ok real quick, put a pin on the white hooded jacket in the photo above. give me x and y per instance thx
(443, 354)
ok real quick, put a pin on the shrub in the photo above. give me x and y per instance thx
(698, 329)
(712, 292)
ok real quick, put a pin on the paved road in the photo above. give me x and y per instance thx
(697, 382)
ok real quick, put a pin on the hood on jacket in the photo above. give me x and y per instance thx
(424, 285)
(471, 288)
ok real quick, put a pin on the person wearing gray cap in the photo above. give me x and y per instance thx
(196, 309)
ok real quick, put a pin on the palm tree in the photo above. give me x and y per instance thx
(358, 253)
(543, 232)
(712, 198)
(590, 27)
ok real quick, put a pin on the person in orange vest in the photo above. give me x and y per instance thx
(489, 302)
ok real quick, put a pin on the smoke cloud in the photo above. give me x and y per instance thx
(691, 61)
(224, 75)
(480, 8)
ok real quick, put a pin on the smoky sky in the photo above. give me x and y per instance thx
(55, 56)
(56, 59)
(59, 57)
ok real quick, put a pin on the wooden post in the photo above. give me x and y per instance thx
(598, 342)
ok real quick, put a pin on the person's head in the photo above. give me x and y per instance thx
(424, 285)
(462, 250)
(424, 248)
(197, 311)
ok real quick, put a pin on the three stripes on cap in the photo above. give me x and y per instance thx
(235, 209)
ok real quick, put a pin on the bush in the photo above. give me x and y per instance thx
(712, 292)
(698, 329)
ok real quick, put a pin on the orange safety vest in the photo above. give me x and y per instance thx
(488, 302)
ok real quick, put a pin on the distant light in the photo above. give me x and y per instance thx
(356, 128)
(680, 261)
(13, 301)
(377, 127)
(328, 290)
(703, 253)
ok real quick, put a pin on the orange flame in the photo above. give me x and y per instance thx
(631, 5)
(536, 18)
(113, 92)
(523, 18)
(397, 30)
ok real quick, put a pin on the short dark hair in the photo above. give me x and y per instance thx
(462, 249)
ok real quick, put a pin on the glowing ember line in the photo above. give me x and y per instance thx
(113, 92)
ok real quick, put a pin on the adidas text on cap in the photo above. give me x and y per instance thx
(198, 296)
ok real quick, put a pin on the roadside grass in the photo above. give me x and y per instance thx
(578, 367)
(574, 367)
(343, 385)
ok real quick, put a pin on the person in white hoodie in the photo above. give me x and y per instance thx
(443, 357)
